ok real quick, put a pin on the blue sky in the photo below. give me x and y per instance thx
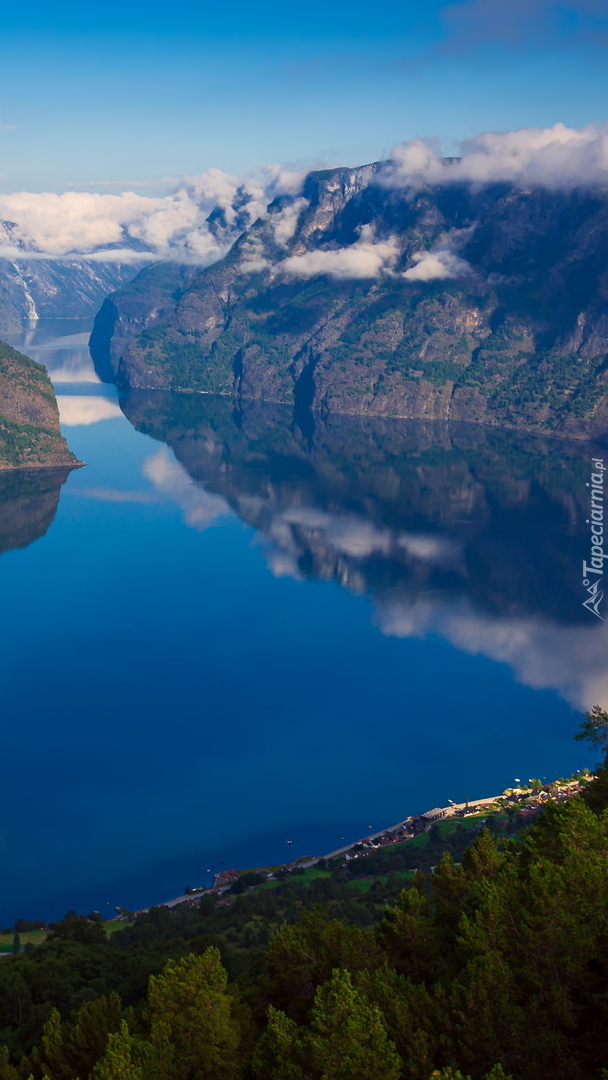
(132, 93)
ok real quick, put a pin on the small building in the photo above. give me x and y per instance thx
(433, 815)
(225, 879)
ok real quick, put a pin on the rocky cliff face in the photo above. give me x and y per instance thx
(45, 288)
(485, 303)
(30, 436)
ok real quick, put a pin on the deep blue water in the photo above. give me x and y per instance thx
(232, 635)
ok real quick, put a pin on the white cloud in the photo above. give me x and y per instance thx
(430, 548)
(200, 508)
(284, 223)
(367, 258)
(134, 227)
(556, 157)
(117, 495)
(131, 227)
(280, 180)
(80, 409)
(344, 534)
(435, 265)
(542, 654)
(347, 534)
(123, 256)
(253, 258)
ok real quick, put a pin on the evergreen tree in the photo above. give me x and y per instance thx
(410, 1015)
(118, 1061)
(302, 957)
(347, 1037)
(7, 1072)
(409, 938)
(194, 1035)
(482, 859)
(279, 1054)
(594, 729)
(73, 1047)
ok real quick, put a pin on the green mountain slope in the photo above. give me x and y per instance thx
(30, 436)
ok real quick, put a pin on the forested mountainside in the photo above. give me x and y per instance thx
(477, 302)
(30, 436)
(492, 961)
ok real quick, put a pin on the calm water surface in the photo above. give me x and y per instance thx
(237, 631)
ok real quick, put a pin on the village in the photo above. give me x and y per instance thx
(527, 800)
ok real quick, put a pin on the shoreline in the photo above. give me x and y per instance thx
(389, 835)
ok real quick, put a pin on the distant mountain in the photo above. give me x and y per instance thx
(484, 302)
(66, 253)
(34, 287)
(30, 437)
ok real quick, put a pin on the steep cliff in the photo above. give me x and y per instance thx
(30, 436)
(484, 303)
(45, 288)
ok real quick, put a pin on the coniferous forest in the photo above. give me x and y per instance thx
(493, 964)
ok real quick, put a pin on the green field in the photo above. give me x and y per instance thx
(36, 937)
(365, 884)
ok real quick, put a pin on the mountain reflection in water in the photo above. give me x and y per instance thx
(178, 706)
(473, 533)
(28, 503)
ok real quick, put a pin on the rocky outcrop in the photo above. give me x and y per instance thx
(30, 436)
(484, 304)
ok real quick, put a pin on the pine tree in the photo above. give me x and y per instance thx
(279, 1054)
(410, 1015)
(482, 859)
(302, 957)
(117, 1062)
(347, 1037)
(7, 1072)
(73, 1047)
(194, 1034)
(409, 938)
(594, 729)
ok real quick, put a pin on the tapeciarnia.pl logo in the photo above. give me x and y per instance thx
(593, 571)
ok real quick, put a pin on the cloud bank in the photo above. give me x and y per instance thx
(201, 218)
(542, 654)
(557, 157)
(436, 265)
(367, 258)
(131, 227)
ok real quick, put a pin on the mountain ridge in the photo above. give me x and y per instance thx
(477, 302)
